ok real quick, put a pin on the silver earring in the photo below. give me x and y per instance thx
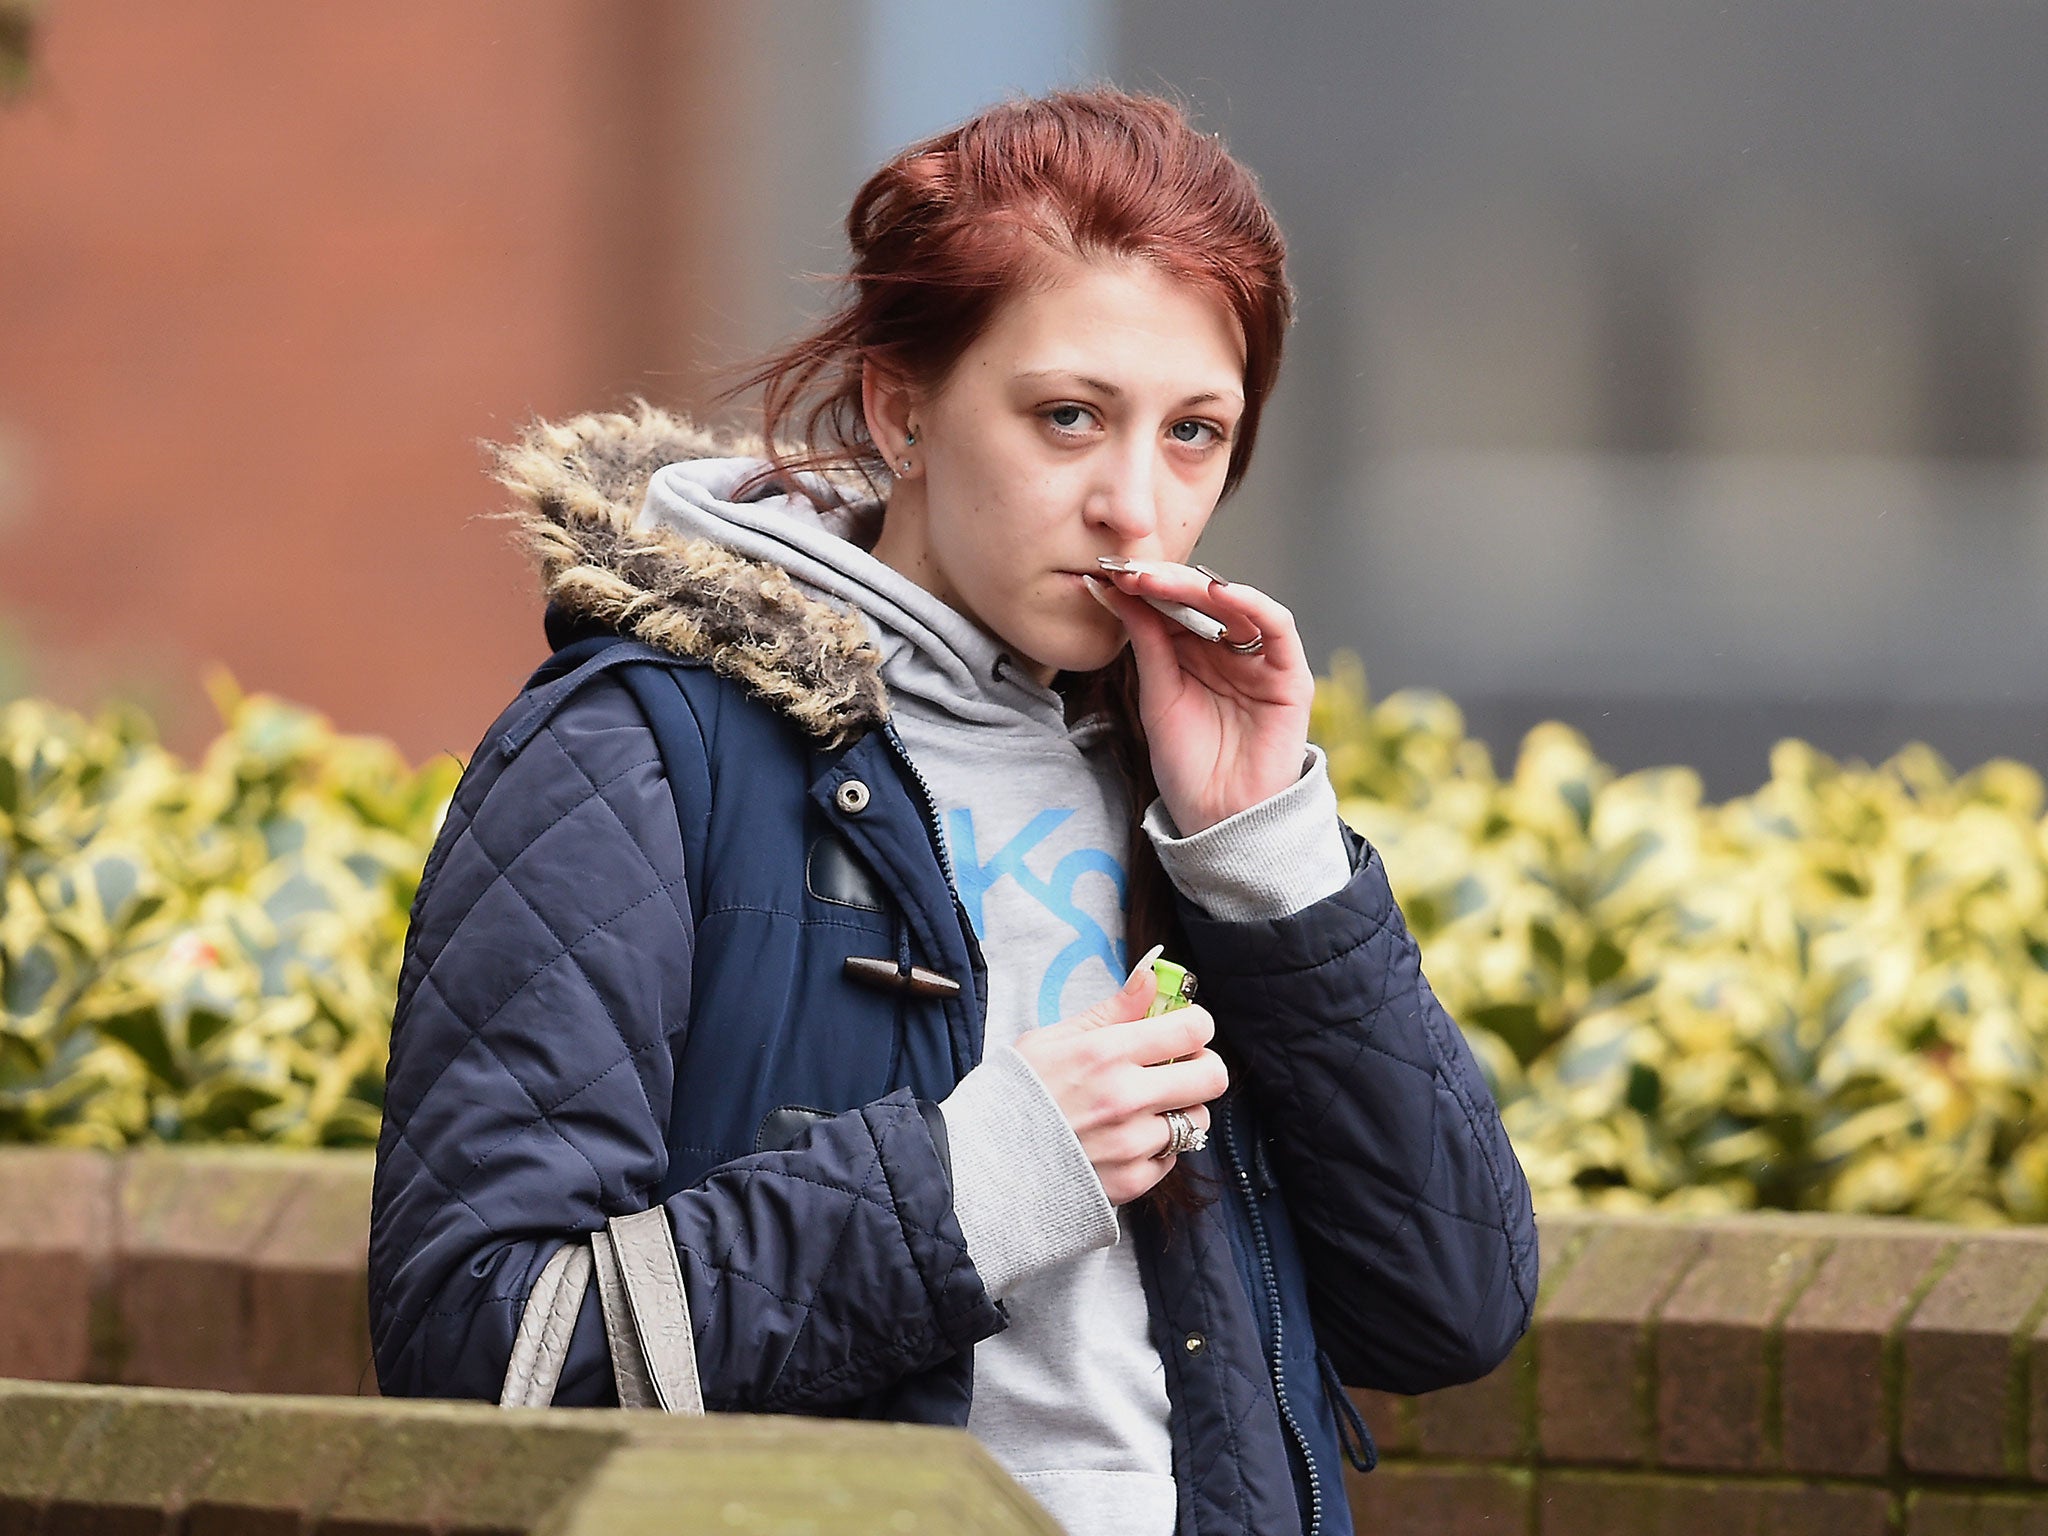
(910, 436)
(906, 466)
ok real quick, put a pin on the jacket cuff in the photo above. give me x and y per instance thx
(1269, 860)
(1024, 1192)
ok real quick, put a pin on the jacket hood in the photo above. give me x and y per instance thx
(937, 662)
(577, 489)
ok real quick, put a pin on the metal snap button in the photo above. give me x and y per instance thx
(1194, 1343)
(852, 797)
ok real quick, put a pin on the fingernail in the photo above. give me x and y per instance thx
(1098, 592)
(1145, 964)
(1115, 563)
(1219, 580)
(1149, 567)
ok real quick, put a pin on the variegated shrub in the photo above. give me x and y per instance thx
(201, 953)
(1829, 994)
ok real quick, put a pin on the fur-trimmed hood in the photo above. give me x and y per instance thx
(578, 487)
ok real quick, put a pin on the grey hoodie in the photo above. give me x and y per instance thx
(1071, 1398)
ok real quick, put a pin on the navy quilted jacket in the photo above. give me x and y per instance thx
(626, 982)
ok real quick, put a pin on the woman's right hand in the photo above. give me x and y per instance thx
(1114, 1073)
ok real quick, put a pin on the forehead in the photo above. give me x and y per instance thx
(1126, 322)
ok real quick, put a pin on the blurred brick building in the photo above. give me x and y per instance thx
(268, 274)
(1681, 373)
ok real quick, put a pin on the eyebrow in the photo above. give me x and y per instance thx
(1104, 387)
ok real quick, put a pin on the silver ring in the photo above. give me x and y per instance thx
(1183, 1135)
(1250, 647)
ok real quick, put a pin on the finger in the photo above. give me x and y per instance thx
(1244, 610)
(1130, 1001)
(1149, 1042)
(1155, 582)
(1154, 639)
(1198, 1117)
(1250, 612)
(1155, 648)
(1144, 966)
(1183, 1084)
(1148, 629)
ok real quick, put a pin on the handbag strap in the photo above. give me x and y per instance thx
(645, 1310)
(629, 1366)
(544, 1329)
(652, 1271)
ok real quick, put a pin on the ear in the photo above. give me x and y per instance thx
(887, 403)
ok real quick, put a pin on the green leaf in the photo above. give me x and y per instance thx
(143, 1030)
(1645, 1089)
(26, 979)
(1604, 961)
(1578, 794)
(115, 878)
(204, 1025)
(1517, 1023)
(1619, 865)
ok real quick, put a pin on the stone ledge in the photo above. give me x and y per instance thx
(91, 1459)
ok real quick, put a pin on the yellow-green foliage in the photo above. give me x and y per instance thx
(201, 953)
(1830, 994)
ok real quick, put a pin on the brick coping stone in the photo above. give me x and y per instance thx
(90, 1459)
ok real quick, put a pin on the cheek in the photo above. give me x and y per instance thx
(1187, 530)
(977, 546)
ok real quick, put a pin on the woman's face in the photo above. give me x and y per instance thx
(1095, 416)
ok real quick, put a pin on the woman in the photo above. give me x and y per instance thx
(798, 893)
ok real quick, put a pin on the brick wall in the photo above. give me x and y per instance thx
(267, 275)
(235, 1269)
(1765, 1374)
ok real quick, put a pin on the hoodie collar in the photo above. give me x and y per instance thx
(933, 657)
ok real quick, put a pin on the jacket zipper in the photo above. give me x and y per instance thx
(1275, 1356)
(930, 806)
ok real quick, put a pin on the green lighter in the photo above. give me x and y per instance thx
(1176, 988)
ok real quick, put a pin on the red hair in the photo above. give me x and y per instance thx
(956, 224)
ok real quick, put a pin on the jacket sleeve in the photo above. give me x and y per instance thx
(1410, 1207)
(545, 988)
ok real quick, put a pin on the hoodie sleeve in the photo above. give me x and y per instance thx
(545, 983)
(1026, 1194)
(1269, 859)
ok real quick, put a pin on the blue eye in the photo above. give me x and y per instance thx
(1198, 426)
(1066, 417)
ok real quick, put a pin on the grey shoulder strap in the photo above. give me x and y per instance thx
(544, 1328)
(629, 1366)
(652, 1272)
(646, 1318)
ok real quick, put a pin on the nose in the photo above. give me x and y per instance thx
(1123, 500)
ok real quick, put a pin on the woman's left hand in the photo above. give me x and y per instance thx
(1227, 730)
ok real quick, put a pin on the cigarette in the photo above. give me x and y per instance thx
(1189, 618)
